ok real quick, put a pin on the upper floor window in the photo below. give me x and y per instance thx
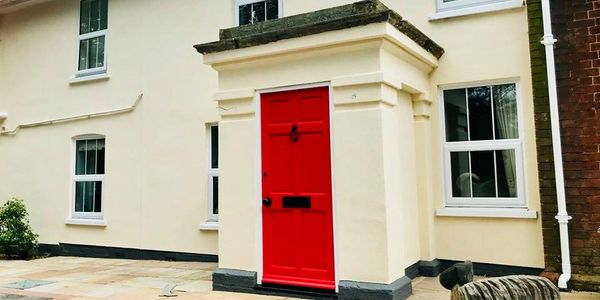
(93, 24)
(444, 5)
(88, 178)
(252, 11)
(482, 149)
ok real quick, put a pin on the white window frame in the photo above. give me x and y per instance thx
(460, 4)
(239, 3)
(212, 173)
(488, 145)
(90, 35)
(86, 178)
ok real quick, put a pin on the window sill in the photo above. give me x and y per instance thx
(209, 226)
(484, 8)
(86, 222)
(484, 212)
(89, 78)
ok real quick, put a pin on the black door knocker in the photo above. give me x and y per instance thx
(294, 133)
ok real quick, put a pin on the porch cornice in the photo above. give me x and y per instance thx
(337, 18)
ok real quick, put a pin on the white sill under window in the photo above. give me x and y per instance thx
(486, 212)
(209, 225)
(89, 78)
(475, 9)
(86, 222)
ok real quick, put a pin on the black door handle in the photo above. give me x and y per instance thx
(267, 202)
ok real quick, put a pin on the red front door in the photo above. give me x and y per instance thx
(296, 189)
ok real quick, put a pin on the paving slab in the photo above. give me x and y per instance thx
(26, 284)
(77, 278)
(19, 297)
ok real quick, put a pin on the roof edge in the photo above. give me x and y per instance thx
(9, 6)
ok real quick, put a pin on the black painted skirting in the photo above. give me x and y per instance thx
(397, 290)
(434, 267)
(494, 270)
(116, 252)
(425, 268)
(231, 280)
(412, 271)
(246, 282)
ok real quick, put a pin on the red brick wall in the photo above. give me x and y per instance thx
(576, 26)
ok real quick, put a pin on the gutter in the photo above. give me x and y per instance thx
(562, 216)
(75, 118)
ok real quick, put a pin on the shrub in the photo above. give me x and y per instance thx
(17, 241)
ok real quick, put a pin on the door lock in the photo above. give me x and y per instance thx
(267, 202)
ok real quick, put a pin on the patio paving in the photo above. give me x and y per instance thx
(77, 278)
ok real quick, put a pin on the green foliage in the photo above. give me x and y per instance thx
(17, 241)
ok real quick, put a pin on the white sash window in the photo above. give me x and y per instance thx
(88, 178)
(252, 11)
(483, 147)
(93, 25)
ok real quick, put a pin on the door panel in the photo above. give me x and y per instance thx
(296, 164)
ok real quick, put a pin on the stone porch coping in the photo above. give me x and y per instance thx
(330, 19)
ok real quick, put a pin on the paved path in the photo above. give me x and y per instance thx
(75, 278)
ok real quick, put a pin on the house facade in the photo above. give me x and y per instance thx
(335, 146)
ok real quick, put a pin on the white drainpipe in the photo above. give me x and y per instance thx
(562, 216)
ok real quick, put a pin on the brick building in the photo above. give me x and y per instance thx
(576, 26)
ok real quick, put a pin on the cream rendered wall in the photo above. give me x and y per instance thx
(156, 158)
(477, 48)
(399, 170)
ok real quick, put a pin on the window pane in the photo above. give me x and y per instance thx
(89, 158)
(480, 114)
(245, 12)
(100, 52)
(455, 109)
(80, 158)
(95, 15)
(505, 108)
(272, 9)
(79, 196)
(88, 200)
(483, 174)
(84, 49)
(91, 53)
(214, 147)
(258, 11)
(103, 14)
(215, 196)
(90, 165)
(100, 157)
(84, 17)
(507, 174)
(461, 179)
(97, 196)
(88, 196)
